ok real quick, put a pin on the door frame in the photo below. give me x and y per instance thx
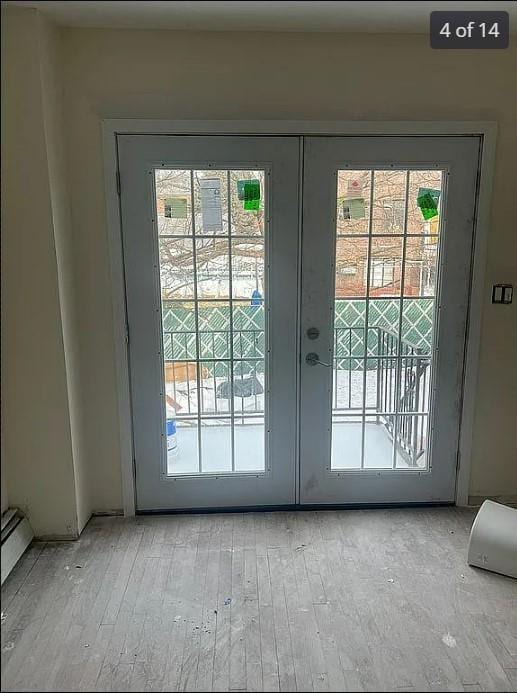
(111, 128)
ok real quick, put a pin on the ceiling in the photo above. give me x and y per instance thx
(243, 15)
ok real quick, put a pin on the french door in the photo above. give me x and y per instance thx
(210, 231)
(387, 247)
(296, 324)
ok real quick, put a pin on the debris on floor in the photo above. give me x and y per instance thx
(449, 640)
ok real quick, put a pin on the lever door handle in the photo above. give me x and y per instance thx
(312, 359)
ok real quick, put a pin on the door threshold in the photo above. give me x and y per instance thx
(297, 506)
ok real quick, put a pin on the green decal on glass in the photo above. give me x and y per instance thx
(248, 189)
(175, 208)
(353, 208)
(428, 200)
(251, 205)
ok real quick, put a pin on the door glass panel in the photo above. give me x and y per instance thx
(425, 200)
(212, 268)
(214, 330)
(384, 313)
(351, 266)
(389, 202)
(210, 202)
(179, 330)
(216, 442)
(411, 436)
(214, 376)
(181, 407)
(385, 266)
(421, 266)
(353, 202)
(417, 325)
(173, 202)
(248, 269)
(248, 332)
(176, 268)
(213, 295)
(247, 203)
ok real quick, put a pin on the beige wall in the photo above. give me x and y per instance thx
(113, 74)
(43, 466)
(3, 484)
(52, 94)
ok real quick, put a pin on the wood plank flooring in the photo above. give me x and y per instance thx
(362, 600)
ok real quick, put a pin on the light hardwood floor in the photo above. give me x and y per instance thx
(337, 600)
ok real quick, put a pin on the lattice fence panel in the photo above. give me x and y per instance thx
(179, 325)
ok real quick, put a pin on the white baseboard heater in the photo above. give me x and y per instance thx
(17, 534)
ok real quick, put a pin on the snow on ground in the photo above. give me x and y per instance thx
(347, 386)
(215, 436)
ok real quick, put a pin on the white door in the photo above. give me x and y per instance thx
(386, 257)
(210, 229)
(265, 376)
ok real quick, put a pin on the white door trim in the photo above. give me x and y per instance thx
(112, 127)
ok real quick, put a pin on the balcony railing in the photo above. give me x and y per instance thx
(393, 378)
(395, 381)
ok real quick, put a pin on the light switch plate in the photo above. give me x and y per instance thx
(502, 293)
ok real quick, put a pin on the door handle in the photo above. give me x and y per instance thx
(313, 359)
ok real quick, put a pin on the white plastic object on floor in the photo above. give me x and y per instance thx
(493, 539)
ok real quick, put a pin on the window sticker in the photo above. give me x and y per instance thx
(175, 208)
(249, 192)
(210, 189)
(353, 208)
(428, 200)
(355, 188)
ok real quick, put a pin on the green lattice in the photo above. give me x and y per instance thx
(417, 323)
(179, 325)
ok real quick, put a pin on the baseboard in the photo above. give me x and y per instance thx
(57, 537)
(76, 535)
(504, 499)
(17, 534)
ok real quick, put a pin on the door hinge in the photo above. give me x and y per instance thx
(117, 175)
